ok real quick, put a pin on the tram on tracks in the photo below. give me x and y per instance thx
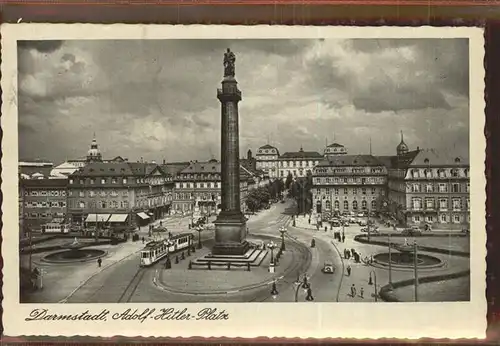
(156, 250)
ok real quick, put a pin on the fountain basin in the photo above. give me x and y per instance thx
(405, 260)
(74, 255)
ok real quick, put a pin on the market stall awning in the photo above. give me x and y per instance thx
(143, 216)
(97, 217)
(118, 218)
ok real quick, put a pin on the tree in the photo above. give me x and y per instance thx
(289, 180)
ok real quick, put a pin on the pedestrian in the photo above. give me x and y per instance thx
(353, 291)
(361, 292)
(349, 270)
(343, 238)
(99, 262)
(143, 240)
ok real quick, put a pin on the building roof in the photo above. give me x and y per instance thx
(301, 155)
(99, 169)
(351, 160)
(34, 183)
(432, 157)
(202, 167)
(335, 145)
(267, 146)
(174, 168)
(35, 163)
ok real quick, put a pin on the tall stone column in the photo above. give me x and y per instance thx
(230, 226)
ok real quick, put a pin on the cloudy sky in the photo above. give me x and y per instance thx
(157, 98)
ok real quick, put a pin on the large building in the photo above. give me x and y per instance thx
(429, 187)
(199, 186)
(41, 201)
(348, 183)
(119, 193)
(267, 160)
(298, 163)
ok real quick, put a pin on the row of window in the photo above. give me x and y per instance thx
(441, 187)
(294, 172)
(42, 215)
(354, 204)
(201, 196)
(297, 163)
(211, 185)
(200, 176)
(443, 218)
(102, 204)
(439, 173)
(125, 180)
(44, 204)
(443, 203)
(349, 180)
(45, 193)
(346, 191)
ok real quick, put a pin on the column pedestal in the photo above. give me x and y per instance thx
(230, 233)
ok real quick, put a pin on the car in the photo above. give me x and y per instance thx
(362, 223)
(328, 268)
(414, 231)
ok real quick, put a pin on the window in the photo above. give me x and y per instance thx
(428, 173)
(81, 194)
(443, 204)
(71, 181)
(328, 205)
(467, 188)
(114, 181)
(336, 191)
(457, 204)
(363, 191)
(456, 218)
(415, 188)
(430, 218)
(429, 203)
(443, 188)
(364, 205)
(125, 193)
(417, 203)
(83, 182)
(455, 188)
(443, 218)
(346, 205)
(124, 181)
(466, 172)
(442, 173)
(337, 205)
(467, 203)
(354, 205)
(454, 173)
(103, 180)
(415, 173)
(374, 204)
(429, 188)
(125, 204)
(81, 204)
(416, 218)
(345, 191)
(354, 191)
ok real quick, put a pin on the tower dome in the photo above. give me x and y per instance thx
(94, 155)
(402, 148)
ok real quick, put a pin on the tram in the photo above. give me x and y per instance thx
(156, 250)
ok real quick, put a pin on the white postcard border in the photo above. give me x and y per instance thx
(319, 320)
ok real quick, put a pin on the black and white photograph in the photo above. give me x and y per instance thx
(270, 170)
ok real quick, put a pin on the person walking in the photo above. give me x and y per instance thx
(353, 291)
(349, 270)
(99, 262)
(143, 240)
(343, 238)
(361, 292)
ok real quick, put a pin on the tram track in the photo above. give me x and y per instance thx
(129, 291)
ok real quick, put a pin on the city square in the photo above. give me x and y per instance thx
(242, 225)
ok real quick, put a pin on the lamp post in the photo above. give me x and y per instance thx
(415, 262)
(282, 230)
(274, 290)
(304, 284)
(272, 245)
(372, 272)
(199, 229)
(390, 261)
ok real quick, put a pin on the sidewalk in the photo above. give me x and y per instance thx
(60, 281)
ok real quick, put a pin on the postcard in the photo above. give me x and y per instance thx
(231, 181)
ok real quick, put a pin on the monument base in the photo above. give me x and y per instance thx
(230, 233)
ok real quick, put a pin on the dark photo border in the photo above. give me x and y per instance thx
(318, 12)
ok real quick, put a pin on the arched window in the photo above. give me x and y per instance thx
(354, 205)
(428, 173)
(337, 205)
(346, 205)
(442, 173)
(374, 204)
(328, 205)
(466, 172)
(363, 205)
(454, 173)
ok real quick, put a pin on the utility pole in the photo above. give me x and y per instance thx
(415, 263)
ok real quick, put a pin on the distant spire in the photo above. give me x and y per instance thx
(402, 136)
(370, 145)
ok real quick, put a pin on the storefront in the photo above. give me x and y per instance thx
(143, 219)
(119, 222)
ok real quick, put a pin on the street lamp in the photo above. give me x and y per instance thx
(272, 245)
(274, 290)
(375, 283)
(304, 284)
(282, 230)
(199, 229)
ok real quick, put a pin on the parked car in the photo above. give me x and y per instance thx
(328, 268)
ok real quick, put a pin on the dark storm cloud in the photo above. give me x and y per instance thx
(45, 46)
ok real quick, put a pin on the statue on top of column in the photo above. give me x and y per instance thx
(229, 60)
